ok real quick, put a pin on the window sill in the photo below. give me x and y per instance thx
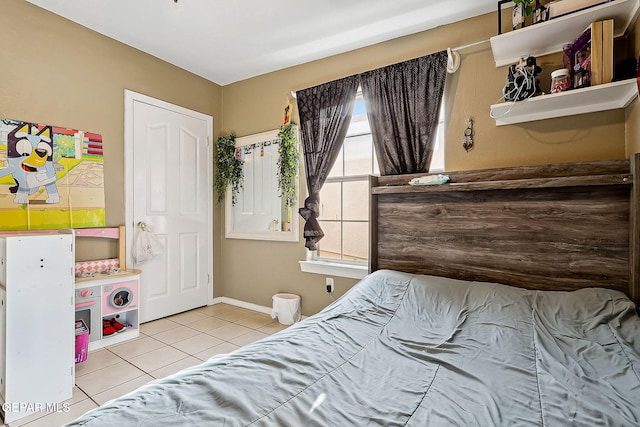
(334, 269)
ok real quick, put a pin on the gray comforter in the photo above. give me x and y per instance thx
(406, 350)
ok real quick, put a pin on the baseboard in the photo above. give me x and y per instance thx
(244, 304)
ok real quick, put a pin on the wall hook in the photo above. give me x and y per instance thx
(453, 61)
(467, 139)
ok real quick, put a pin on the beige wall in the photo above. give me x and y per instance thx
(254, 271)
(56, 72)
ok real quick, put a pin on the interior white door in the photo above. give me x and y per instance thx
(169, 159)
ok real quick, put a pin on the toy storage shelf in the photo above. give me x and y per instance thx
(549, 37)
(591, 99)
(101, 285)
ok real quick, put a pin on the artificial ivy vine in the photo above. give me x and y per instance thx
(229, 167)
(288, 161)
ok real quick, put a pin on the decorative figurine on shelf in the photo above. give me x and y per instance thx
(582, 71)
(521, 9)
(522, 80)
(577, 58)
(517, 17)
(540, 13)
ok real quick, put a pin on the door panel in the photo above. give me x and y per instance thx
(171, 191)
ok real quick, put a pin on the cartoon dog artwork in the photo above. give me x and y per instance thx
(30, 160)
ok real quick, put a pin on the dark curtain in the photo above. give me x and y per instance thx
(403, 104)
(325, 112)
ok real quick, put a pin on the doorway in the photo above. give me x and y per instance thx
(168, 186)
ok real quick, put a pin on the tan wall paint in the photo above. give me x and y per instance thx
(254, 271)
(57, 72)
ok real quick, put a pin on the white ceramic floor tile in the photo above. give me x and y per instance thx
(248, 338)
(187, 362)
(228, 332)
(224, 348)
(156, 326)
(197, 343)
(122, 389)
(77, 396)
(156, 359)
(212, 310)
(273, 327)
(97, 359)
(208, 324)
(176, 334)
(234, 315)
(133, 348)
(255, 321)
(28, 419)
(187, 317)
(109, 377)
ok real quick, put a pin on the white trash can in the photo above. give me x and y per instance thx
(286, 307)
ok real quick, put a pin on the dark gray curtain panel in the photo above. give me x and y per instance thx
(325, 112)
(403, 104)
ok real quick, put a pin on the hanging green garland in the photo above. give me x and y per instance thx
(288, 161)
(229, 167)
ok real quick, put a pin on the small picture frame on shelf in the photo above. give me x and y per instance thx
(577, 58)
(517, 15)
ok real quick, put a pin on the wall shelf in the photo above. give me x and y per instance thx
(603, 97)
(549, 37)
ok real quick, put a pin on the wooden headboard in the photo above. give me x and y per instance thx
(551, 227)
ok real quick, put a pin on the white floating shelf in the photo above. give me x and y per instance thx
(549, 37)
(603, 97)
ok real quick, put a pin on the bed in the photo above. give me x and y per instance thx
(505, 297)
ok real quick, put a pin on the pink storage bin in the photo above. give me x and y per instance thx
(82, 341)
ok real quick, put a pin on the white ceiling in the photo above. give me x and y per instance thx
(229, 41)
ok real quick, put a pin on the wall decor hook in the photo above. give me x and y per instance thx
(467, 139)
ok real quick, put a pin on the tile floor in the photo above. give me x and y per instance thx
(165, 346)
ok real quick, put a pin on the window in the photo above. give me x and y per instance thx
(344, 198)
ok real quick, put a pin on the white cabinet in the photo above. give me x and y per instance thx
(36, 322)
(549, 37)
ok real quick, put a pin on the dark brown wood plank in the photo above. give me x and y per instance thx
(567, 181)
(373, 225)
(607, 167)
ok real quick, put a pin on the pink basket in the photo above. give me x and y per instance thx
(82, 341)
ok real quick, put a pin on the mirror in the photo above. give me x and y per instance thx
(259, 212)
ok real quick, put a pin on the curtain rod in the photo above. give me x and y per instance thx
(453, 60)
(453, 57)
(470, 44)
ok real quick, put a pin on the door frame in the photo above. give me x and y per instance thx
(129, 98)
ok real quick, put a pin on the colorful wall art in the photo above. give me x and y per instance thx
(50, 177)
